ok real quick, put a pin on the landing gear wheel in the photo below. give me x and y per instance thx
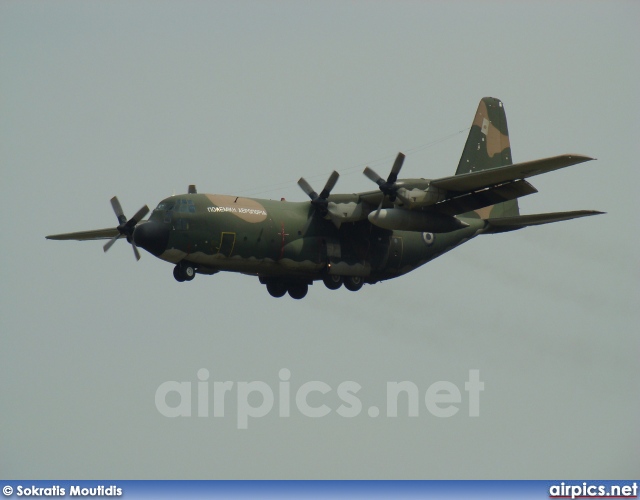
(276, 289)
(332, 281)
(184, 272)
(189, 272)
(178, 275)
(353, 283)
(298, 290)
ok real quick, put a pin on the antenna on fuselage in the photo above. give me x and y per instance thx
(192, 189)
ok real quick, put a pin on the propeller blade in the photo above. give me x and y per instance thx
(306, 187)
(371, 174)
(110, 243)
(308, 223)
(135, 251)
(117, 208)
(331, 183)
(377, 215)
(140, 214)
(395, 170)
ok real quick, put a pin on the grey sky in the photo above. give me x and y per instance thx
(140, 99)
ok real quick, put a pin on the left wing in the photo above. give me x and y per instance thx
(453, 195)
(504, 224)
(494, 176)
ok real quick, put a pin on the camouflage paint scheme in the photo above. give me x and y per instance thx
(347, 239)
(220, 237)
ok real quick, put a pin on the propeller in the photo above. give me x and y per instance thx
(126, 227)
(388, 187)
(320, 201)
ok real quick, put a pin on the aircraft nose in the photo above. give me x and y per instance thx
(152, 236)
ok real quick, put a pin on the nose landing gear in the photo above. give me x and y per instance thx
(184, 272)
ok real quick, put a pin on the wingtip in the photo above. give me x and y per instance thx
(581, 158)
(589, 213)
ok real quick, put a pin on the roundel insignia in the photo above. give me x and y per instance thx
(428, 238)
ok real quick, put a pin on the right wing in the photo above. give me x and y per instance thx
(96, 234)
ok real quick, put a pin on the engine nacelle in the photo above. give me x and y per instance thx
(345, 212)
(416, 198)
(405, 220)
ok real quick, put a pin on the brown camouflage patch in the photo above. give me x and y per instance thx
(485, 212)
(495, 140)
(244, 208)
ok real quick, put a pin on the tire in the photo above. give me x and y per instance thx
(178, 274)
(298, 290)
(332, 281)
(189, 272)
(353, 283)
(276, 289)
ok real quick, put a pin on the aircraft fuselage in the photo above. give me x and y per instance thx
(274, 239)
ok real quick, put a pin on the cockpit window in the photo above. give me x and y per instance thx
(174, 205)
(165, 205)
(179, 205)
(185, 206)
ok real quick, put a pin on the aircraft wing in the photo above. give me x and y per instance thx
(504, 224)
(96, 234)
(462, 193)
(474, 181)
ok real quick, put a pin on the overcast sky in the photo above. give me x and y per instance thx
(140, 99)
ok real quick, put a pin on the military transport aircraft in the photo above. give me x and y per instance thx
(345, 239)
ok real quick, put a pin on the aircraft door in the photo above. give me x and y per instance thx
(227, 242)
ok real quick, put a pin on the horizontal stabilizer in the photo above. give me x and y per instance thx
(504, 224)
(486, 178)
(96, 234)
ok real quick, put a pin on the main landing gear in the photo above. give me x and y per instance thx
(298, 289)
(353, 283)
(278, 288)
(333, 282)
(184, 272)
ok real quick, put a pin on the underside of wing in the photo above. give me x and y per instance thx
(467, 202)
(505, 224)
(95, 234)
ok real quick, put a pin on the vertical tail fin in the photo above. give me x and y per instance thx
(488, 147)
